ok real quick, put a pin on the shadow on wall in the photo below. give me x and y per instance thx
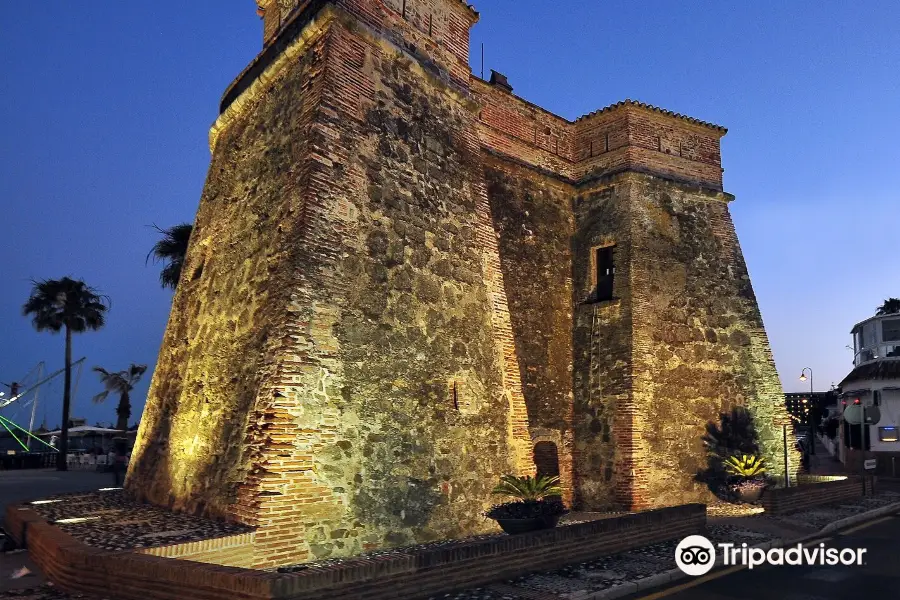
(734, 435)
(390, 500)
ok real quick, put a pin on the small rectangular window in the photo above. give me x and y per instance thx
(888, 434)
(606, 271)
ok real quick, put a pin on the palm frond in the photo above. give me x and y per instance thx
(889, 307)
(57, 303)
(171, 249)
(135, 371)
(528, 488)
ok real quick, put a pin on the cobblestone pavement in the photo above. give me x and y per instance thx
(45, 592)
(109, 520)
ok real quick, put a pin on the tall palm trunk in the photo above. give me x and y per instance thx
(61, 464)
(123, 411)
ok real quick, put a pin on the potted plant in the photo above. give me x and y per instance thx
(749, 472)
(537, 505)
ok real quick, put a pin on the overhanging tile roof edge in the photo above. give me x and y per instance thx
(471, 8)
(657, 109)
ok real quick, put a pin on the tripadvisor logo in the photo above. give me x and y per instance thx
(695, 555)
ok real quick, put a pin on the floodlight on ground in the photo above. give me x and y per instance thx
(75, 520)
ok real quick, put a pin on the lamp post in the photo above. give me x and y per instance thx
(812, 426)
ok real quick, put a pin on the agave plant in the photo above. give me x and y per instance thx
(745, 466)
(528, 489)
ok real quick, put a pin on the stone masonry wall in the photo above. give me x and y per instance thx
(217, 353)
(533, 217)
(382, 387)
(602, 332)
(402, 383)
(699, 344)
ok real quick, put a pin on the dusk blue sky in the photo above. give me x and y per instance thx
(105, 108)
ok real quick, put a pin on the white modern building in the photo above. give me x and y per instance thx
(873, 389)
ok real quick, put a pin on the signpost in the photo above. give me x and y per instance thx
(787, 475)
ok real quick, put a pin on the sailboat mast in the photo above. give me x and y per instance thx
(34, 406)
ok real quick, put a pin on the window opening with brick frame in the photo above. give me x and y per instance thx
(605, 273)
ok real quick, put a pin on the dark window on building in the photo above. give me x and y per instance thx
(890, 330)
(876, 397)
(606, 271)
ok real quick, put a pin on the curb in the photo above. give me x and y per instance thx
(853, 520)
(677, 574)
(654, 581)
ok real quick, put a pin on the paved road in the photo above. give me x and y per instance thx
(878, 578)
(19, 486)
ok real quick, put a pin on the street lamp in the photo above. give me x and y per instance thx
(812, 426)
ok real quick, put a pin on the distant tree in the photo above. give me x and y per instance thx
(121, 383)
(889, 307)
(171, 249)
(70, 305)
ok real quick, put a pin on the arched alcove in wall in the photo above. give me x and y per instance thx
(546, 459)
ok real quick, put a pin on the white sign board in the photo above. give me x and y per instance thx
(869, 464)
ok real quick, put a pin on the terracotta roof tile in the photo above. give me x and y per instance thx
(663, 111)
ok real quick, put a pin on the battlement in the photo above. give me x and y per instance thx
(628, 135)
(437, 29)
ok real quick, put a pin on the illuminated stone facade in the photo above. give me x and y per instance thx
(395, 293)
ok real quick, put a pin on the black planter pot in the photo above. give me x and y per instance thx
(516, 526)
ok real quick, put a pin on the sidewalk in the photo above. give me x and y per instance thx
(822, 463)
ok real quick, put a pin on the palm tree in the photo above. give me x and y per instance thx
(171, 249)
(889, 307)
(121, 383)
(72, 305)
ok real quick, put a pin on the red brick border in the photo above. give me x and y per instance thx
(75, 567)
(814, 491)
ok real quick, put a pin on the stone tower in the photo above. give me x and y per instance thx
(404, 282)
